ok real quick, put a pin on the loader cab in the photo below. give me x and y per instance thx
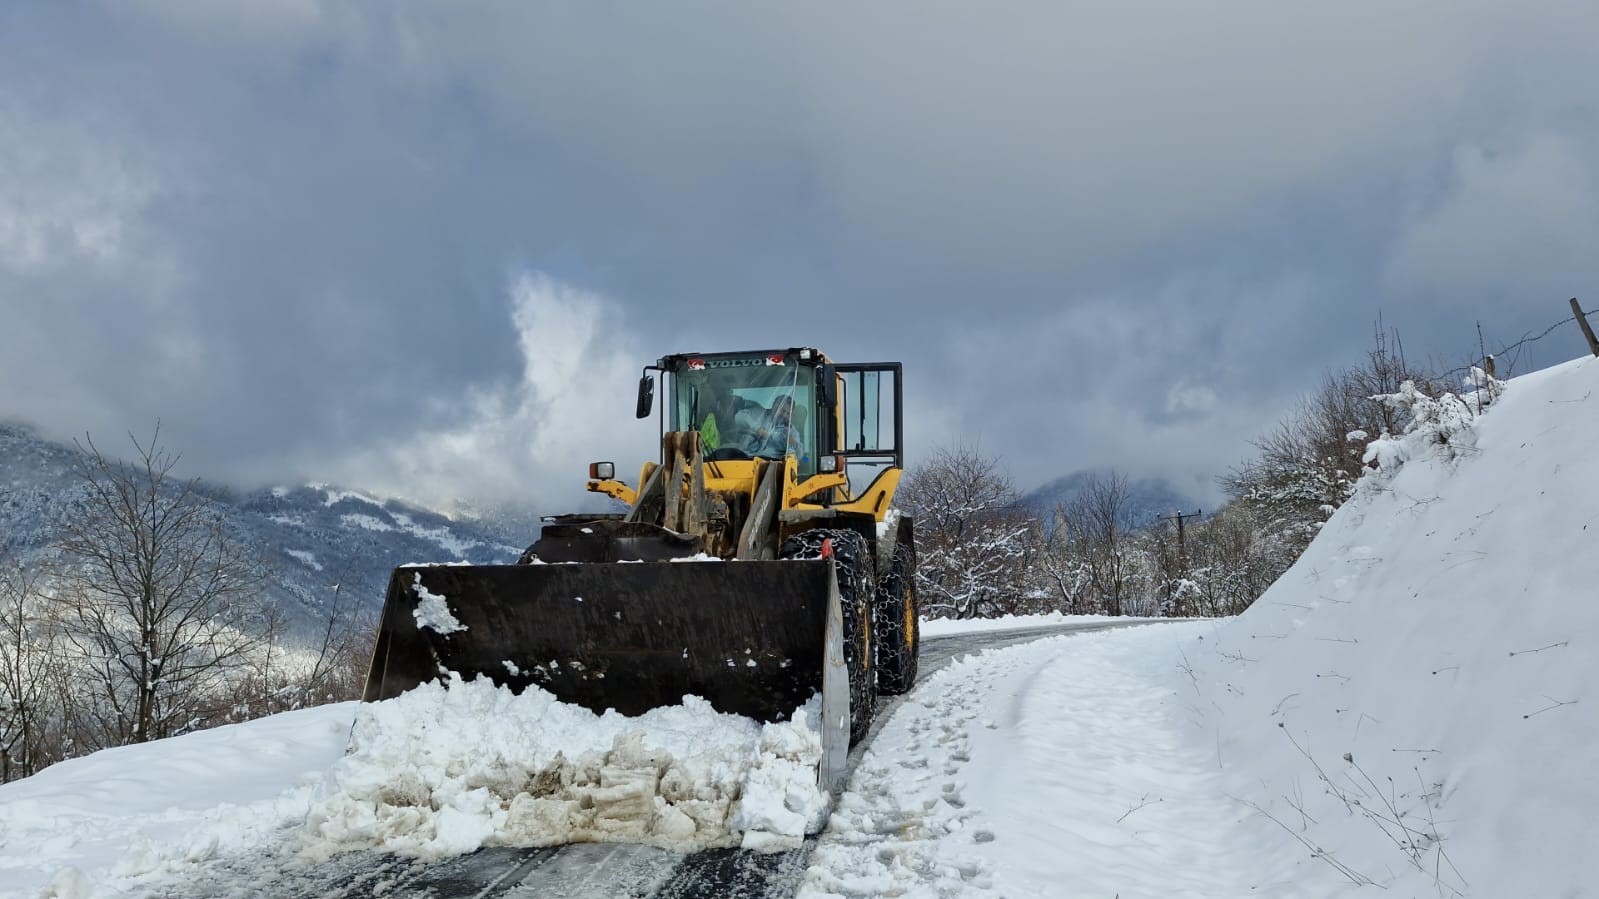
(846, 416)
(732, 398)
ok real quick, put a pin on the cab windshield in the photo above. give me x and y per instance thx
(760, 406)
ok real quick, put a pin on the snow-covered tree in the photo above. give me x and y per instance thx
(1063, 571)
(972, 542)
(1308, 466)
(1231, 561)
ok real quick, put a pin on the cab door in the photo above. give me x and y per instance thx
(870, 401)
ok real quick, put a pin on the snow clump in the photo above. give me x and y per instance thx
(433, 612)
(446, 769)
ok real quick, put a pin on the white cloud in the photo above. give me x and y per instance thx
(527, 441)
(66, 198)
(1184, 397)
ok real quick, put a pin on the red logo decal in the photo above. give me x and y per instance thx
(775, 359)
(696, 365)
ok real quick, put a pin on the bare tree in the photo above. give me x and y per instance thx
(1306, 468)
(1096, 523)
(972, 539)
(333, 670)
(30, 721)
(339, 670)
(158, 598)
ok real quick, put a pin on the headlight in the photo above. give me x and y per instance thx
(602, 471)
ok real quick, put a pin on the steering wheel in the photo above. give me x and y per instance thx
(727, 454)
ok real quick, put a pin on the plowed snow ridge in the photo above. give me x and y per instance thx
(446, 769)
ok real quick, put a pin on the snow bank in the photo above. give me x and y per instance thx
(437, 771)
(1412, 701)
(91, 824)
(444, 770)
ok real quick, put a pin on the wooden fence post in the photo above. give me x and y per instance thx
(1582, 322)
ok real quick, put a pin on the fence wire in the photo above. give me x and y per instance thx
(1504, 355)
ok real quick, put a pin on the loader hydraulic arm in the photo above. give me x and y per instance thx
(614, 489)
(796, 491)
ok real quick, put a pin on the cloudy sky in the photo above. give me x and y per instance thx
(424, 248)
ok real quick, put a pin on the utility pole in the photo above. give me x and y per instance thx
(1182, 549)
(1180, 517)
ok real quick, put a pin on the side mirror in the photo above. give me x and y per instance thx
(646, 396)
(826, 382)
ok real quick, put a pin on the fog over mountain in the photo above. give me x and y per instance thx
(1146, 499)
(324, 549)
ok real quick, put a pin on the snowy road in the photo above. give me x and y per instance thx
(575, 871)
(1057, 768)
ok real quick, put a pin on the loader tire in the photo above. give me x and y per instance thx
(895, 628)
(853, 561)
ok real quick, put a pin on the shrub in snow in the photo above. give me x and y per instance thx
(1440, 427)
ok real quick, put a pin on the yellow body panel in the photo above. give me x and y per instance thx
(743, 476)
(877, 497)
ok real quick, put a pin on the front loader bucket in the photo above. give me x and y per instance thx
(752, 638)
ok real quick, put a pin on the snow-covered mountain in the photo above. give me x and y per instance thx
(1147, 498)
(309, 537)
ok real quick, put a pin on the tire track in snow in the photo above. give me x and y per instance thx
(1092, 755)
(907, 824)
(894, 828)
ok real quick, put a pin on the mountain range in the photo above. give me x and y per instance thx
(320, 545)
(1146, 499)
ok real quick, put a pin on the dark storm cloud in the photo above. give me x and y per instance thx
(423, 247)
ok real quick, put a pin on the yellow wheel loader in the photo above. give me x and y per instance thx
(759, 561)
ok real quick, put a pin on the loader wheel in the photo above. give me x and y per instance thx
(853, 562)
(895, 628)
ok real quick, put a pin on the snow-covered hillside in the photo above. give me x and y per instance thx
(317, 535)
(1415, 699)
